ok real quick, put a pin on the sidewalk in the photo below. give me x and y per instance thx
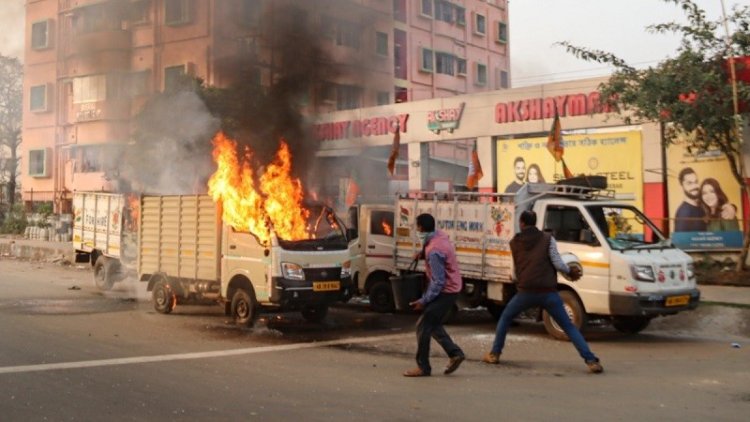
(46, 251)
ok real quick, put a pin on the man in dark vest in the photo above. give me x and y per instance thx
(536, 261)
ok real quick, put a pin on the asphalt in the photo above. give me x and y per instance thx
(42, 250)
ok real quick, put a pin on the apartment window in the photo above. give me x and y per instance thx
(400, 94)
(38, 163)
(426, 61)
(344, 33)
(381, 43)
(502, 32)
(348, 97)
(89, 89)
(460, 16)
(504, 79)
(443, 11)
(95, 18)
(89, 159)
(38, 98)
(399, 10)
(176, 12)
(461, 66)
(383, 98)
(40, 35)
(139, 11)
(426, 8)
(400, 61)
(445, 63)
(480, 24)
(481, 74)
(173, 76)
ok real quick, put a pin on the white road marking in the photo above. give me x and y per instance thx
(195, 355)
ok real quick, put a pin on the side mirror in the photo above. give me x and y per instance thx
(351, 234)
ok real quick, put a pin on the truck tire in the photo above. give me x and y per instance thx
(630, 324)
(315, 313)
(104, 273)
(575, 312)
(381, 297)
(244, 308)
(164, 297)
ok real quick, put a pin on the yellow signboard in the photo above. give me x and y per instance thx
(704, 199)
(617, 155)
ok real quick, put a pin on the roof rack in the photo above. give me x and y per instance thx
(584, 192)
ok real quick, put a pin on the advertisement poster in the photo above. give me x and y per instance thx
(704, 200)
(617, 155)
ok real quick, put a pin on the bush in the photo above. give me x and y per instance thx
(15, 221)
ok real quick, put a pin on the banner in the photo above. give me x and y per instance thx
(704, 200)
(618, 156)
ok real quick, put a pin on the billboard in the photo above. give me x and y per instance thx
(616, 155)
(704, 199)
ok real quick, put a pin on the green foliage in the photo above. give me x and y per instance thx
(15, 221)
(690, 93)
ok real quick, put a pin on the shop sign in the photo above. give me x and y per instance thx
(445, 119)
(361, 128)
(544, 108)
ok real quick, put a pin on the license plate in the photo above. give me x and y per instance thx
(326, 286)
(677, 300)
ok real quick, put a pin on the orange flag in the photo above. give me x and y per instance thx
(394, 150)
(475, 170)
(554, 141)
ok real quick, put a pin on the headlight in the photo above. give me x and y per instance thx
(346, 269)
(642, 272)
(292, 271)
(690, 271)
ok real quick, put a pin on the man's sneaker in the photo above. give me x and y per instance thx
(493, 358)
(453, 364)
(595, 366)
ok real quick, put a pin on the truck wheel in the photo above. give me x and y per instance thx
(244, 308)
(104, 270)
(630, 324)
(164, 298)
(315, 313)
(381, 297)
(575, 312)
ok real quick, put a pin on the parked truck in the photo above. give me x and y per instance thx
(187, 254)
(105, 234)
(631, 271)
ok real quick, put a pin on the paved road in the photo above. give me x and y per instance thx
(69, 354)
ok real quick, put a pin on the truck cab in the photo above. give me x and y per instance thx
(370, 233)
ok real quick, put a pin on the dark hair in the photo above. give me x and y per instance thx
(528, 218)
(538, 173)
(721, 197)
(684, 172)
(426, 222)
(517, 160)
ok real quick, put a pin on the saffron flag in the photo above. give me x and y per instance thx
(554, 141)
(352, 192)
(394, 150)
(475, 170)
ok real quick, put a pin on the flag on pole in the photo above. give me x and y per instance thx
(475, 170)
(352, 189)
(555, 145)
(394, 150)
(554, 140)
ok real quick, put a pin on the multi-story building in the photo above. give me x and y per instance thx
(91, 65)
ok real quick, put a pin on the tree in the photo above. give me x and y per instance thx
(11, 94)
(691, 93)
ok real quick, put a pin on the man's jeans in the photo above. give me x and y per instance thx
(553, 304)
(430, 325)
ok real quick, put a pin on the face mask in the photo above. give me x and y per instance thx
(422, 236)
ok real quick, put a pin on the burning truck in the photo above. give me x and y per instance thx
(250, 243)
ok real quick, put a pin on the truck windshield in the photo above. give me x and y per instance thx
(325, 231)
(625, 227)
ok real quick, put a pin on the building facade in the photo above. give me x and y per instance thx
(92, 64)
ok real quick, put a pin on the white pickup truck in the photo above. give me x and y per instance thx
(631, 272)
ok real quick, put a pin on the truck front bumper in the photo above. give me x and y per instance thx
(654, 304)
(297, 294)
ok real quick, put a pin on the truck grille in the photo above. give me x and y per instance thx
(322, 274)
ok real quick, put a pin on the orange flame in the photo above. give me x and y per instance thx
(387, 229)
(273, 206)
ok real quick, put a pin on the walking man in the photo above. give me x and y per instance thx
(536, 261)
(437, 301)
